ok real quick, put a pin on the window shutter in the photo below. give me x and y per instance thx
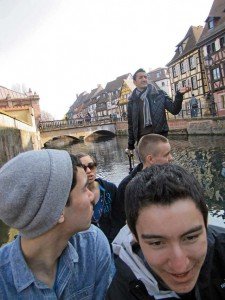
(217, 44)
(205, 51)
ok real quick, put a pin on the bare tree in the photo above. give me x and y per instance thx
(46, 116)
(20, 88)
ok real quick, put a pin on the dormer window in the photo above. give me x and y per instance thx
(211, 24)
(180, 49)
(212, 21)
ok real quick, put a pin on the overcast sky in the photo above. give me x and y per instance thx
(60, 48)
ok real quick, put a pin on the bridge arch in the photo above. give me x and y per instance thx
(99, 133)
(80, 132)
(60, 137)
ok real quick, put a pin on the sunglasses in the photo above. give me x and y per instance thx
(90, 166)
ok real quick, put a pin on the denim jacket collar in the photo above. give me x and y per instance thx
(66, 262)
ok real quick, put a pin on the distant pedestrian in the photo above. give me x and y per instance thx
(194, 106)
(124, 116)
(211, 103)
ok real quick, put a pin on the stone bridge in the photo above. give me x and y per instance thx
(71, 128)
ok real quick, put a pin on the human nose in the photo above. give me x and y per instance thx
(178, 260)
(170, 158)
(88, 170)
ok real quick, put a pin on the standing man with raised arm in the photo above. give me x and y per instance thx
(146, 108)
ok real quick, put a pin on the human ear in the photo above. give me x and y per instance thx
(135, 239)
(149, 159)
(61, 218)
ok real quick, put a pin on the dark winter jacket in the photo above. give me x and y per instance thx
(107, 220)
(210, 284)
(158, 104)
(119, 206)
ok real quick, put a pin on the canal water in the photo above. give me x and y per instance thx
(204, 156)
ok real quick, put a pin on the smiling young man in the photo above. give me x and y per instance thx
(44, 195)
(168, 252)
(146, 108)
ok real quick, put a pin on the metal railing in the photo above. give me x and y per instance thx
(201, 112)
(71, 123)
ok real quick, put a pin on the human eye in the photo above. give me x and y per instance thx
(192, 238)
(156, 244)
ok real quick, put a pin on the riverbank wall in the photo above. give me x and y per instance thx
(16, 136)
(197, 126)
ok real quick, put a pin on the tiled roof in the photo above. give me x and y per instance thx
(96, 97)
(218, 12)
(77, 102)
(152, 75)
(93, 94)
(102, 97)
(189, 43)
(116, 84)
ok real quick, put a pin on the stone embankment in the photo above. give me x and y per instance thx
(15, 137)
(197, 126)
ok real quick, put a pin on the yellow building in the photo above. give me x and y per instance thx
(126, 90)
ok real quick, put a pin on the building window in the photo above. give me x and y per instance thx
(211, 24)
(216, 74)
(192, 62)
(163, 83)
(184, 83)
(211, 48)
(194, 82)
(158, 74)
(222, 42)
(176, 86)
(180, 49)
(208, 49)
(174, 72)
(182, 67)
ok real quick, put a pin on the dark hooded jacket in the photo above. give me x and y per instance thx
(210, 284)
(119, 208)
(159, 102)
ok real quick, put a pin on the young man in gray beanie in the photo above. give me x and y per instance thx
(44, 195)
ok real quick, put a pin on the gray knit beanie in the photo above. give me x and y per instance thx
(34, 189)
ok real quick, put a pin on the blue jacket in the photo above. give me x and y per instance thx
(158, 104)
(108, 219)
(83, 270)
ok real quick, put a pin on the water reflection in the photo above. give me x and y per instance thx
(202, 155)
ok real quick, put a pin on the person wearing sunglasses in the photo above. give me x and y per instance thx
(105, 193)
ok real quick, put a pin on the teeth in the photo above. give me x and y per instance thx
(180, 275)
